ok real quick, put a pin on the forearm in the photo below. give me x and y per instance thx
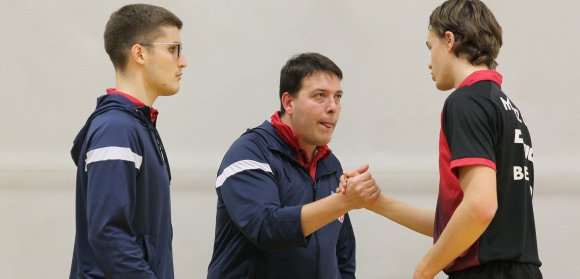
(470, 219)
(317, 214)
(463, 229)
(414, 218)
(362, 191)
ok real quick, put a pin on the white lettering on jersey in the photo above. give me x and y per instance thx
(528, 151)
(521, 173)
(507, 105)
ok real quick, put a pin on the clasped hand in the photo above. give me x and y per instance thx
(359, 187)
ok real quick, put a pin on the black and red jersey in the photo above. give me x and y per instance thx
(480, 125)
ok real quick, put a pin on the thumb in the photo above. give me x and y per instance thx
(350, 173)
(362, 169)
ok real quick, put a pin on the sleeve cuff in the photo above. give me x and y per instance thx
(293, 225)
(472, 162)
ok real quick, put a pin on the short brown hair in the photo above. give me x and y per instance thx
(477, 32)
(132, 24)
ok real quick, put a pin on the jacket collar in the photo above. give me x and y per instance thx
(290, 138)
(277, 144)
(152, 111)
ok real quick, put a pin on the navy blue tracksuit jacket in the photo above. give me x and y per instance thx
(261, 190)
(123, 218)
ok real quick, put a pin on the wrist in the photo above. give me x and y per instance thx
(375, 205)
(422, 270)
(343, 203)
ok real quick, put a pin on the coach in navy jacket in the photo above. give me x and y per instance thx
(277, 214)
(123, 211)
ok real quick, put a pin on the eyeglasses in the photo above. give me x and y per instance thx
(179, 46)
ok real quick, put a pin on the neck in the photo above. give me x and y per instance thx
(464, 69)
(308, 148)
(134, 85)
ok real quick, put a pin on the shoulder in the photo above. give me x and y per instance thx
(114, 128)
(474, 98)
(114, 118)
(249, 141)
(251, 145)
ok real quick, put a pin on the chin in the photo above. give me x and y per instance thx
(443, 87)
(170, 91)
(323, 141)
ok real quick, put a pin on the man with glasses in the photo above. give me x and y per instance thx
(123, 219)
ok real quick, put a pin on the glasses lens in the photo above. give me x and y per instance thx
(179, 47)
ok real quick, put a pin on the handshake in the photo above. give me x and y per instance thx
(359, 188)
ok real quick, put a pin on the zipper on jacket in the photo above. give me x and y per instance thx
(161, 150)
(317, 274)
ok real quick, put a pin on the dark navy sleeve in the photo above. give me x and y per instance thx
(468, 120)
(346, 250)
(112, 165)
(247, 184)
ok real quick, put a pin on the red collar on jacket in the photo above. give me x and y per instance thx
(135, 101)
(290, 138)
(476, 76)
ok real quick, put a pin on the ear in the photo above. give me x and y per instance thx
(138, 54)
(449, 40)
(288, 103)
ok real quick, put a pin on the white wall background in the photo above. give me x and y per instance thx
(54, 67)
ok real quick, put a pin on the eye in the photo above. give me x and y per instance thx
(172, 49)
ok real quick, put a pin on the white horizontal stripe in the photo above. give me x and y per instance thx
(113, 153)
(240, 166)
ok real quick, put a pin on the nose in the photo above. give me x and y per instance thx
(333, 105)
(181, 61)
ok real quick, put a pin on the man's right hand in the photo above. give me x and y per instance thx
(341, 189)
(359, 187)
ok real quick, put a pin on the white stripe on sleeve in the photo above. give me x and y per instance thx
(240, 166)
(113, 153)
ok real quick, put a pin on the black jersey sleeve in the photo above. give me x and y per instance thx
(470, 126)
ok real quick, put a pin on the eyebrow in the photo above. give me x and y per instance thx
(324, 90)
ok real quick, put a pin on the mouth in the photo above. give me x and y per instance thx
(179, 76)
(327, 125)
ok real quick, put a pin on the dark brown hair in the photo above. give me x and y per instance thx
(477, 32)
(132, 24)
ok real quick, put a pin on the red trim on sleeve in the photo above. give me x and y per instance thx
(473, 161)
(135, 101)
(476, 76)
